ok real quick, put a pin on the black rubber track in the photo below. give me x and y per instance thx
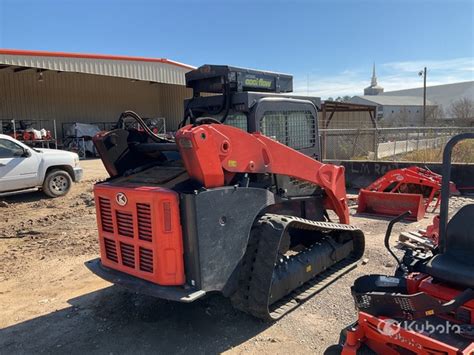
(259, 262)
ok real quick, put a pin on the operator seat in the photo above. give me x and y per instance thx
(456, 265)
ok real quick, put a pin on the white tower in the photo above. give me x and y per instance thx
(373, 89)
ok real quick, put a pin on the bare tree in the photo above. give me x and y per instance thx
(401, 119)
(434, 112)
(462, 108)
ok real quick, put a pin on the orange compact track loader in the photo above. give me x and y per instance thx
(237, 203)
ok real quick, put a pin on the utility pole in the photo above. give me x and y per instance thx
(423, 74)
(424, 97)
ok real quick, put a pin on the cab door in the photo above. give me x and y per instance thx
(18, 166)
(293, 122)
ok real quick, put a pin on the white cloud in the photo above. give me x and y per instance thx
(391, 76)
(458, 64)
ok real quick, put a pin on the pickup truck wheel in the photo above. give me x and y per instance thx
(57, 183)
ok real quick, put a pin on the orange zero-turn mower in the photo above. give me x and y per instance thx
(428, 306)
(238, 203)
(410, 189)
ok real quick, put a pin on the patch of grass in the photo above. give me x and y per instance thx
(462, 153)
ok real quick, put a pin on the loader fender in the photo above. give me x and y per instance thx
(222, 218)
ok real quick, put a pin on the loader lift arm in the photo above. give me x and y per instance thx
(214, 153)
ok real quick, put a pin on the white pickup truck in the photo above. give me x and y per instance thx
(23, 167)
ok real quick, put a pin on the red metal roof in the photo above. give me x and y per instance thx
(91, 56)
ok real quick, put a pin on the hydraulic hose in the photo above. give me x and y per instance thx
(142, 123)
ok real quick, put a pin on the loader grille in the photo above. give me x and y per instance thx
(106, 214)
(167, 216)
(146, 260)
(110, 250)
(128, 254)
(125, 223)
(144, 222)
(141, 233)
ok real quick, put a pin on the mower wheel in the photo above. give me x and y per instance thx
(363, 350)
(57, 183)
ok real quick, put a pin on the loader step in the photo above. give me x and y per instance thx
(184, 294)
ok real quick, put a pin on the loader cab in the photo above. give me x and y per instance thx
(254, 101)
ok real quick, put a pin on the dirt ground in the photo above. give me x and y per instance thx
(51, 303)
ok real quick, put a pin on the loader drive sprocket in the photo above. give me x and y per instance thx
(263, 263)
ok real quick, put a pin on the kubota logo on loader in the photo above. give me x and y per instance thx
(121, 199)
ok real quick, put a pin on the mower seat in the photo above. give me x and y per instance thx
(456, 265)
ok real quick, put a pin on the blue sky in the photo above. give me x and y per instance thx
(329, 46)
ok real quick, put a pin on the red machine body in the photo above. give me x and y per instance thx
(411, 189)
(390, 204)
(432, 231)
(384, 336)
(375, 333)
(214, 153)
(140, 232)
(143, 237)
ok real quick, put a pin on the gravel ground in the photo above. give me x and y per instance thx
(51, 303)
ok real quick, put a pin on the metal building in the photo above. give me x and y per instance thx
(69, 87)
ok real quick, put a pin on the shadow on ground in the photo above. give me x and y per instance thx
(27, 196)
(113, 320)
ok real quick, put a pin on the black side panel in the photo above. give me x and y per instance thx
(190, 239)
(309, 208)
(216, 226)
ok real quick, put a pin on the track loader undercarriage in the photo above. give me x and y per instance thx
(289, 259)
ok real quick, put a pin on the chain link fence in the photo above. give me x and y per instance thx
(417, 144)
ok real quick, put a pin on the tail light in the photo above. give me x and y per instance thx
(140, 232)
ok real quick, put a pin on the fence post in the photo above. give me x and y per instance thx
(376, 144)
(418, 140)
(394, 149)
(406, 143)
(55, 135)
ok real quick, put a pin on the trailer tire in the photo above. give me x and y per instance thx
(57, 183)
